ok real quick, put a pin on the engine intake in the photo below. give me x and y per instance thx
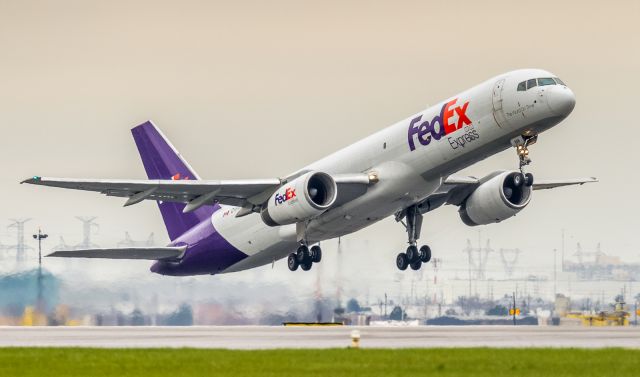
(301, 199)
(495, 200)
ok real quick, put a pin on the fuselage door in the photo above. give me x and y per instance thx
(498, 112)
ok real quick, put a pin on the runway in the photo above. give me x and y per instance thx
(256, 337)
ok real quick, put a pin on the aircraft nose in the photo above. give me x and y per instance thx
(561, 100)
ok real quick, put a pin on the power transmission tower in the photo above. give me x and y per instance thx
(20, 247)
(62, 245)
(130, 242)
(478, 257)
(509, 264)
(88, 224)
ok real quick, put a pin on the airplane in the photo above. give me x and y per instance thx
(405, 170)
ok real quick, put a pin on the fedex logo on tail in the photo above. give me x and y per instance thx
(441, 125)
(289, 194)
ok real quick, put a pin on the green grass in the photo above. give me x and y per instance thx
(69, 362)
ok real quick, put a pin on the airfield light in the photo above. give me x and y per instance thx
(39, 237)
(355, 339)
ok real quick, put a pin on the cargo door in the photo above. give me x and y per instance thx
(498, 112)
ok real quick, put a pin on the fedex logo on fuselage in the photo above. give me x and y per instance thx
(441, 125)
(289, 194)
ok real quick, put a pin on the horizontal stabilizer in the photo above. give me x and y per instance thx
(145, 253)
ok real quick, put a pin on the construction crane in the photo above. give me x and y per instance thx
(581, 254)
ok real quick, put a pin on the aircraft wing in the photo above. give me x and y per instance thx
(455, 189)
(195, 193)
(144, 253)
(537, 185)
(549, 184)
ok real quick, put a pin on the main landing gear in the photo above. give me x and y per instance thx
(304, 257)
(413, 257)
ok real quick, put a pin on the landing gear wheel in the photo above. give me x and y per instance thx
(425, 254)
(303, 254)
(416, 265)
(402, 262)
(316, 254)
(292, 262)
(528, 179)
(518, 180)
(412, 254)
(306, 266)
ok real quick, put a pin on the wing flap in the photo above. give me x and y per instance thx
(144, 253)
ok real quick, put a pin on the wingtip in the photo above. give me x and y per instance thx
(32, 180)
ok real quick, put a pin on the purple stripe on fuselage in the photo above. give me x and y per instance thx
(207, 253)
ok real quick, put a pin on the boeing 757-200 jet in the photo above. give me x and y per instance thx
(405, 171)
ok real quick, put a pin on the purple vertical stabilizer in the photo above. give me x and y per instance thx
(162, 161)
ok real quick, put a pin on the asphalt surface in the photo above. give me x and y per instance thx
(255, 337)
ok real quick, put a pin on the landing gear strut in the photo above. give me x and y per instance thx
(304, 257)
(413, 257)
(522, 143)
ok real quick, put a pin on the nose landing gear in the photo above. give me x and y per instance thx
(522, 143)
(413, 257)
(304, 257)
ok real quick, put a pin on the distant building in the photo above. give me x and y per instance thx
(21, 290)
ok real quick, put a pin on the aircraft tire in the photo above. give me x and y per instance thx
(412, 254)
(425, 254)
(303, 254)
(528, 179)
(292, 262)
(416, 265)
(402, 262)
(306, 266)
(316, 254)
(518, 180)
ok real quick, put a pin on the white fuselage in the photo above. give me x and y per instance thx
(411, 159)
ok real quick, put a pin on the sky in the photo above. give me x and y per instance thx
(254, 89)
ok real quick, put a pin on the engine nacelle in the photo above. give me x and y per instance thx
(495, 200)
(301, 199)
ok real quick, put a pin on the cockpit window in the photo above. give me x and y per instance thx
(532, 83)
(546, 81)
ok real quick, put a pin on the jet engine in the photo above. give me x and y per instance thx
(497, 199)
(301, 199)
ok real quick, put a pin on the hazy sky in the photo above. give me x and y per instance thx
(258, 89)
